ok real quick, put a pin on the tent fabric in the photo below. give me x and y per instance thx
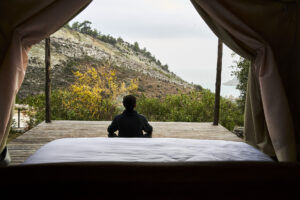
(7, 129)
(266, 32)
(24, 23)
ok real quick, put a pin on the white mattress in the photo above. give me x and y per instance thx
(144, 150)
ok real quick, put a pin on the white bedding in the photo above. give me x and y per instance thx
(144, 150)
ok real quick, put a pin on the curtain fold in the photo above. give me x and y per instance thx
(24, 23)
(264, 31)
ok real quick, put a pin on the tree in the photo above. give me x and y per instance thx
(148, 54)
(165, 67)
(158, 62)
(108, 39)
(241, 70)
(85, 27)
(136, 47)
(94, 94)
(67, 26)
(120, 40)
(144, 50)
(94, 33)
(75, 26)
(198, 87)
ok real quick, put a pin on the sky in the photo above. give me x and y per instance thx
(171, 30)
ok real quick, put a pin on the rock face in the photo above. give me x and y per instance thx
(69, 47)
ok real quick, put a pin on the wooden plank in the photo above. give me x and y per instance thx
(23, 147)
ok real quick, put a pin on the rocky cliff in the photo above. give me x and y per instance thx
(71, 49)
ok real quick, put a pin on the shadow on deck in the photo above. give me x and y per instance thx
(25, 145)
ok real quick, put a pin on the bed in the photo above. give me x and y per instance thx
(152, 168)
(144, 150)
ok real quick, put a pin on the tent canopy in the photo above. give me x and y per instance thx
(264, 31)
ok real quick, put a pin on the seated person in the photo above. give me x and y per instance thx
(129, 123)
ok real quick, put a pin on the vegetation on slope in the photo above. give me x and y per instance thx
(96, 95)
(72, 47)
(85, 28)
(95, 89)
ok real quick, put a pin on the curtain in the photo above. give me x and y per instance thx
(267, 33)
(24, 23)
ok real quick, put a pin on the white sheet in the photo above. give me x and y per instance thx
(144, 150)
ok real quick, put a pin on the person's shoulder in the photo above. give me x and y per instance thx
(117, 116)
(141, 116)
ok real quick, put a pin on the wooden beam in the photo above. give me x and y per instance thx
(48, 81)
(19, 117)
(218, 83)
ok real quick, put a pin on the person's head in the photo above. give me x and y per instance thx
(129, 102)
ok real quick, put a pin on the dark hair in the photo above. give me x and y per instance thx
(129, 102)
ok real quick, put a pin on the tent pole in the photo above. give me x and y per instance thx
(218, 83)
(48, 80)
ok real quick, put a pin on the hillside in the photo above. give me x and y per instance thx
(72, 51)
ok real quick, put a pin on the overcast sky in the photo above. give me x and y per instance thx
(172, 30)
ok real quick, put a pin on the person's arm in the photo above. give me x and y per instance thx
(112, 128)
(147, 128)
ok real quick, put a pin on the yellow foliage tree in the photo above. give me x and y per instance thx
(93, 96)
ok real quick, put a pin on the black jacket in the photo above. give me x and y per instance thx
(130, 124)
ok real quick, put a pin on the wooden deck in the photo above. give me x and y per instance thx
(25, 145)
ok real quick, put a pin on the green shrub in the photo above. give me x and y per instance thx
(37, 102)
(192, 107)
